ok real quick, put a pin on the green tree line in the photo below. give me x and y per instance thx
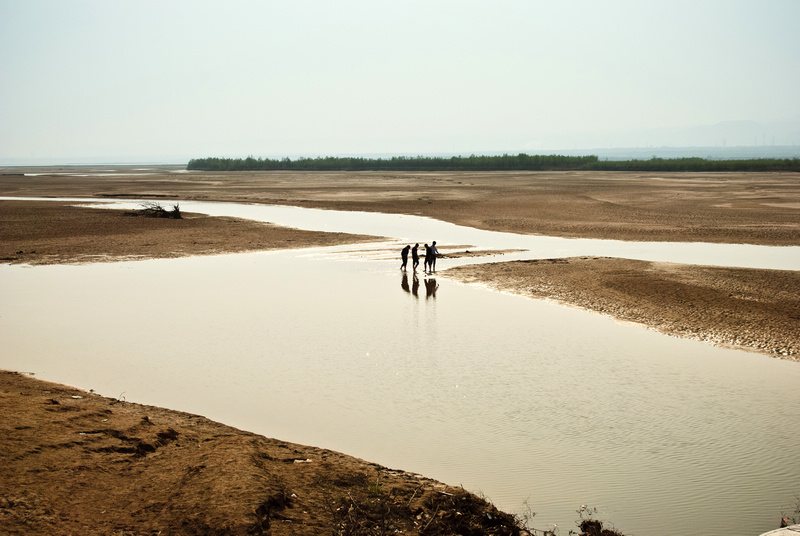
(519, 162)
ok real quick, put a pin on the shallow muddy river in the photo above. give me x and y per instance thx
(521, 400)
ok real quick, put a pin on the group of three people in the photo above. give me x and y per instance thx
(430, 257)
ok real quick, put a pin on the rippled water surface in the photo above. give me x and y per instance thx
(518, 399)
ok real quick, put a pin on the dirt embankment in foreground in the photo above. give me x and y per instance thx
(756, 310)
(74, 463)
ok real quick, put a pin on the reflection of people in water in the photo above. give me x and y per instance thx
(430, 288)
(415, 257)
(434, 254)
(404, 256)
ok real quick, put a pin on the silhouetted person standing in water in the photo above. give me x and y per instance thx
(415, 257)
(404, 256)
(434, 254)
(427, 257)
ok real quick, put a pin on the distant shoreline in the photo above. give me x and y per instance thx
(505, 162)
(710, 152)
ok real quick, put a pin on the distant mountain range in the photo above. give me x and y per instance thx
(728, 139)
(708, 153)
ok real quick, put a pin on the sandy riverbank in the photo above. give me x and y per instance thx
(74, 462)
(93, 465)
(51, 232)
(756, 310)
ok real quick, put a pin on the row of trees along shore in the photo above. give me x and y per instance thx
(519, 162)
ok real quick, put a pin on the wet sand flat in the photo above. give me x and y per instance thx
(753, 208)
(50, 232)
(756, 310)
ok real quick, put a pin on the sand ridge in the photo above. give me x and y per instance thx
(756, 310)
(52, 232)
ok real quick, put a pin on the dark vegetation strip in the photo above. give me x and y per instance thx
(520, 162)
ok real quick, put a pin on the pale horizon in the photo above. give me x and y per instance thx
(85, 81)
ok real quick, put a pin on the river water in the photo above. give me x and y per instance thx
(524, 401)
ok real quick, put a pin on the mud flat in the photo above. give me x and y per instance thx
(751, 208)
(756, 310)
(50, 232)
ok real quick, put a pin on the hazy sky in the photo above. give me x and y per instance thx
(134, 79)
